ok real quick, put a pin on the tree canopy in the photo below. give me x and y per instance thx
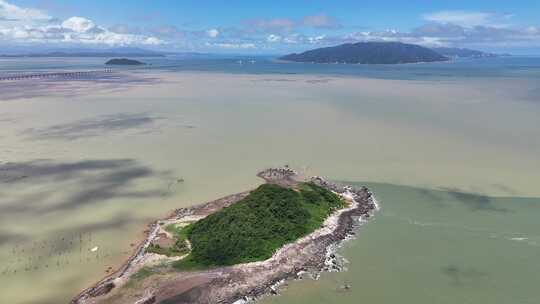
(255, 227)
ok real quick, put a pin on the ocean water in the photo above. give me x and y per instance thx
(507, 67)
(84, 166)
(428, 246)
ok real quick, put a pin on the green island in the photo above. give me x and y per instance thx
(124, 61)
(205, 253)
(253, 228)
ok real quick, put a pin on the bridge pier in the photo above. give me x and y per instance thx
(70, 75)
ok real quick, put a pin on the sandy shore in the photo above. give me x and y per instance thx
(236, 284)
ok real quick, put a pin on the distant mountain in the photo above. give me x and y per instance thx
(463, 53)
(369, 53)
(82, 52)
(123, 61)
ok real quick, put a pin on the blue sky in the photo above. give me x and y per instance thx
(269, 26)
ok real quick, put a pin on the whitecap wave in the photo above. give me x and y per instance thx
(518, 239)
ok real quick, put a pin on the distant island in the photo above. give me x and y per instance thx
(239, 247)
(369, 53)
(124, 61)
(463, 53)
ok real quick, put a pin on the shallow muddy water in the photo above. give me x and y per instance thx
(86, 170)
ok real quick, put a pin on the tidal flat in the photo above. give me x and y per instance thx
(88, 168)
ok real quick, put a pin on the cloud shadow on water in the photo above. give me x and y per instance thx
(82, 183)
(460, 276)
(8, 237)
(433, 197)
(92, 127)
(475, 202)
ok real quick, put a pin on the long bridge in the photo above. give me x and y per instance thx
(70, 75)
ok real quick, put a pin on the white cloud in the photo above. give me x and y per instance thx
(111, 38)
(273, 38)
(291, 39)
(233, 45)
(78, 24)
(212, 33)
(444, 28)
(317, 39)
(288, 25)
(469, 19)
(124, 29)
(449, 35)
(533, 30)
(31, 25)
(320, 21)
(271, 25)
(13, 13)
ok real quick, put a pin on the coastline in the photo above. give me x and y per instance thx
(320, 252)
(104, 285)
(313, 253)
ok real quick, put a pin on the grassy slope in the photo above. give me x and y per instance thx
(255, 227)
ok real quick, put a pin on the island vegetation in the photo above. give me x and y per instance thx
(289, 226)
(256, 226)
(124, 61)
(368, 53)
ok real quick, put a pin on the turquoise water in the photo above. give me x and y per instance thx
(428, 246)
(522, 67)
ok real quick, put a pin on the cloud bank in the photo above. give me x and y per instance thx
(477, 29)
(27, 25)
(444, 28)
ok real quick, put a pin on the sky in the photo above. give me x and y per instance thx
(268, 27)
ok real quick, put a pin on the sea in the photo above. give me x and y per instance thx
(450, 150)
(515, 66)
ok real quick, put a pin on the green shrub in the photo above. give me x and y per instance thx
(255, 227)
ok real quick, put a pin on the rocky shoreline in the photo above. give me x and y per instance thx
(105, 285)
(322, 256)
(245, 282)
